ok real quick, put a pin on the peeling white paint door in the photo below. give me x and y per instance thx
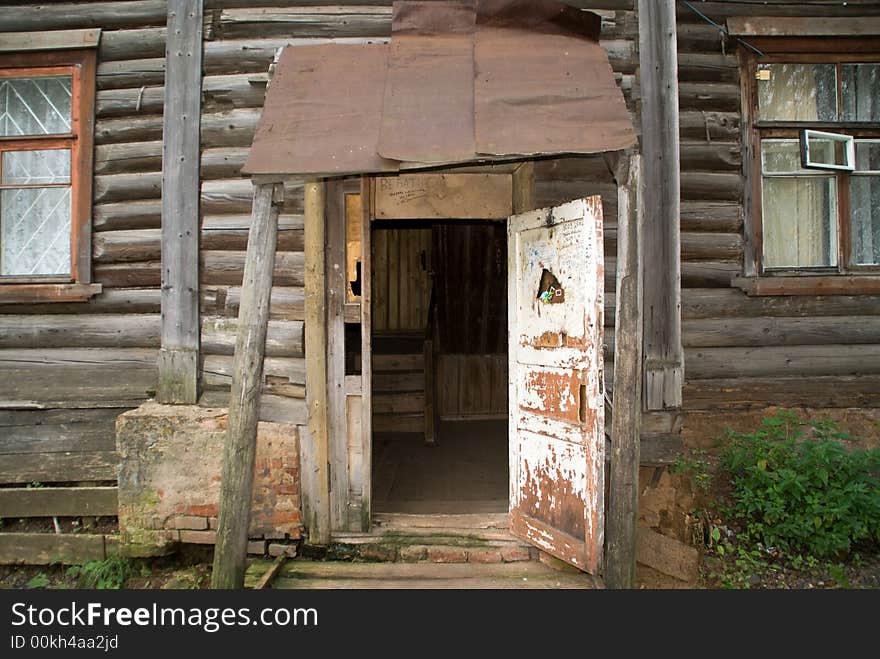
(556, 410)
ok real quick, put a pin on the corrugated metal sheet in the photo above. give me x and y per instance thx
(461, 81)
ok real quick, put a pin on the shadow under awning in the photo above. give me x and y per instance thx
(461, 81)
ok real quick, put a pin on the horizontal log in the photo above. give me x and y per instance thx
(230, 232)
(75, 331)
(217, 370)
(717, 96)
(58, 467)
(709, 125)
(127, 102)
(76, 377)
(756, 393)
(127, 245)
(720, 9)
(284, 338)
(331, 21)
(235, 196)
(786, 361)
(699, 38)
(711, 186)
(286, 303)
(140, 214)
(58, 502)
(711, 246)
(273, 408)
(711, 216)
(224, 162)
(715, 156)
(54, 548)
(254, 55)
(129, 129)
(142, 43)
(79, 437)
(128, 157)
(708, 274)
(131, 73)
(225, 92)
(781, 331)
(222, 267)
(127, 187)
(69, 15)
(733, 303)
(16, 418)
(128, 275)
(109, 301)
(232, 128)
(707, 67)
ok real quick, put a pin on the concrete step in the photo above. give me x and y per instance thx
(305, 574)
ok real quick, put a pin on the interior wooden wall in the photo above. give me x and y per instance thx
(401, 281)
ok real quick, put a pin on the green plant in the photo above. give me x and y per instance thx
(694, 464)
(796, 488)
(39, 580)
(108, 574)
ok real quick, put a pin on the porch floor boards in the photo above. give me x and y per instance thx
(465, 472)
(303, 574)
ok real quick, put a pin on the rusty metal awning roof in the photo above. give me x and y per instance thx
(460, 81)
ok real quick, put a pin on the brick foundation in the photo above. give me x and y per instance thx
(169, 479)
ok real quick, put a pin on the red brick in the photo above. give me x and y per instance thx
(447, 555)
(484, 556)
(287, 489)
(378, 553)
(199, 537)
(285, 517)
(513, 554)
(210, 510)
(191, 522)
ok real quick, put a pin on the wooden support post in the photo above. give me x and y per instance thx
(366, 351)
(315, 447)
(336, 285)
(658, 60)
(179, 356)
(620, 568)
(239, 450)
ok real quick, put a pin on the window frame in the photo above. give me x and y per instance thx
(807, 280)
(81, 64)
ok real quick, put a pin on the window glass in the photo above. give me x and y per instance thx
(36, 167)
(868, 156)
(798, 92)
(799, 221)
(35, 106)
(781, 156)
(35, 231)
(860, 88)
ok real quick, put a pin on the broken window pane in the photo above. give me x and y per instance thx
(865, 204)
(798, 92)
(860, 87)
(35, 106)
(799, 221)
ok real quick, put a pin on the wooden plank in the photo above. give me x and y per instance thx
(52, 548)
(627, 406)
(410, 423)
(380, 280)
(668, 555)
(393, 265)
(355, 458)
(316, 481)
(179, 356)
(239, 452)
(337, 417)
(662, 189)
(56, 40)
(523, 183)
(429, 397)
(93, 435)
(58, 501)
(444, 196)
(366, 310)
(76, 377)
(62, 467)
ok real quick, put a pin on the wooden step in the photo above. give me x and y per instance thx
(304, 574)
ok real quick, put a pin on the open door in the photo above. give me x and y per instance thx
(557, 445)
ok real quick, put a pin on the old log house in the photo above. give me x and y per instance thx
(752, 210)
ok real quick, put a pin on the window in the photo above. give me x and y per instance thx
(46, 107)
(812, 123)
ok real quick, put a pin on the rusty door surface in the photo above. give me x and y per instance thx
(556, 411)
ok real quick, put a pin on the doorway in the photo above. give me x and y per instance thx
(439, 366)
